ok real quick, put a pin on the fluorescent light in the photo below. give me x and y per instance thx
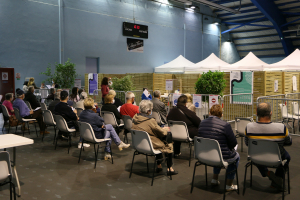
(192, 7)
(214, 5)
(190, 10)
(216, 23)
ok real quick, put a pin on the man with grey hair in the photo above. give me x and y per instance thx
(264, 129)
(128, 108)
(55, 102)
(31, 98)
(159, 106)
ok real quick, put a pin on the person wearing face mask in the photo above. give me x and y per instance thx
(54, 85)
(117, 102)
(108, 106)
(128, 108)
(182, 113)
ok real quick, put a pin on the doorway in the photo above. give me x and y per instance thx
(7, 81)
(92, 65)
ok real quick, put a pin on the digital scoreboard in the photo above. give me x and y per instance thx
(135, 30)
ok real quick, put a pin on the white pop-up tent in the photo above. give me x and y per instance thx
(291, 62)
(249, 63)
(176, 65)
(211, 63)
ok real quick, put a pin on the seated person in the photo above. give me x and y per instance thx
(117, 102)
(79, 104)
(51, 95)
(128, 108)
(79, 91)
(74, 96)
(52, 105)
(31, 98)
(108, 106)
(25, 87)
(159, 107)
(144, 122)
(7, 103)
(189, 103)
(182, 113)
(26, 113)
(101, 130)
(144, 97)
(264, 129)
(69, 114)
(215, 128)
(43, 86)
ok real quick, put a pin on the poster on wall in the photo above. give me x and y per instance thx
(4, 76)
(77, 83)
(18, 76)
(93, 83)
(213, 100)
(197, 100)
(294, 83)
(241, 82)
(169, 84)
(175, 98)
(135, 45)
(276, 86)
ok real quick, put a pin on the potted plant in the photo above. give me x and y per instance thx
(123, 84)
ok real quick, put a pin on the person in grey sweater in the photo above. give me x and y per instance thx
(159, 107)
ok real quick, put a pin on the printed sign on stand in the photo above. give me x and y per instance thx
(175, 98)
(93, 83)
(77, 83)
(197, 100)
(294, 83)
(4, 76)
(213, 100)
(276, 86)
(169, 84)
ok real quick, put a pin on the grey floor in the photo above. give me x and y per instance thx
(46, 173)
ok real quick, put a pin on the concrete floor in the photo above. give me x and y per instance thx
(46, 173)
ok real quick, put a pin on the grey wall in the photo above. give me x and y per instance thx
(93, 28)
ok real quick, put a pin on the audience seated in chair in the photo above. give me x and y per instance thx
(117, 102)
(182, 113)
(108, 106)
(69, 114)
(8, 103)
(144, 122)
(215, 128)
(266, 130)
(52, 94)
(101, 130)
(26, 113)
(144, 97)
(159, 107)
(189, 103)
(74, 96)
(55, 102)
(31, 98)
(128, 108)
(79, 104)
(25, 87)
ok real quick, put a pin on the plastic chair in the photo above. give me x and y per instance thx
(157, 118)
(87, 134)
(265, 153)
(109, 118)
(6, 115)
(6, 173)
(287, 116)
(240, 126)
(127, 126)
(28, 104)
(296, 108)
(180, 133)
(208, 153)
(49, 121)
(79, 110)
(142, 144)
(43, 106)
(23, 120)
(62, 125)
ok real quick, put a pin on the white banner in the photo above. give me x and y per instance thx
(197, 100)
(175, 98)
(294, 83)
(213, 100)
(276, 86)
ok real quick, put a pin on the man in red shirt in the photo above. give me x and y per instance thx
(128, 108)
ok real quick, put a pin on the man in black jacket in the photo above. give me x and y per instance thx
(55, 102)
(31, 98)
(68, 113)
(182, 113)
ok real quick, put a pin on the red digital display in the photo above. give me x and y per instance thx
(136, 27)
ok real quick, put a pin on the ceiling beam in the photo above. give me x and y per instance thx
(242, 12)
(243, 25)
(258, 43)
(272, 12)
(252, 30)
(272, 49)
(253, 37)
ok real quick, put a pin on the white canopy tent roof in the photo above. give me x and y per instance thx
(212, 63)
(176, 65)
(248, 63)
(291, 62)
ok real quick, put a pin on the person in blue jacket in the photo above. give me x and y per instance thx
(144, 97)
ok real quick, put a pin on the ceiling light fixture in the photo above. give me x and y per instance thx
(192, 7)
(216, 23)
(214, 5)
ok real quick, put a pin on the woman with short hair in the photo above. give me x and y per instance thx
(144, 122)
(117, 102)
(108, 106)
(101, 130)
(8, 103)
(215, 128)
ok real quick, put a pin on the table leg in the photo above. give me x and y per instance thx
(15, 171)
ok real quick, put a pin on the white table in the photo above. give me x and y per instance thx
(12, 140)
